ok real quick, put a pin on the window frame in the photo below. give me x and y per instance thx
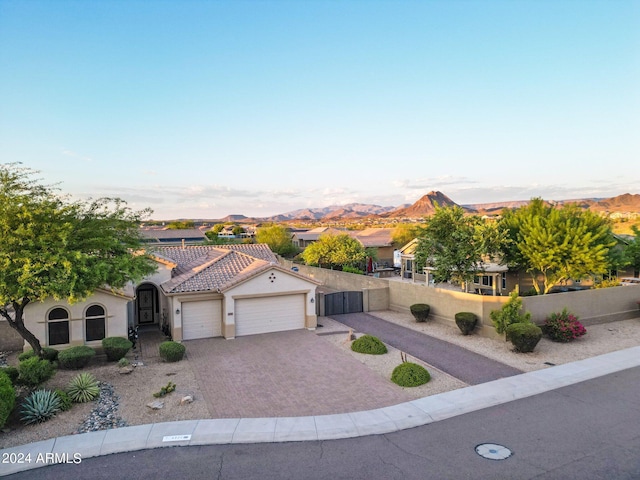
(57, 321)
(87, 317)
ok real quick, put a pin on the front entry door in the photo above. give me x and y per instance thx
(146, 305)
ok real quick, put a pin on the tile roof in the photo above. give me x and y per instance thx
(214, 268)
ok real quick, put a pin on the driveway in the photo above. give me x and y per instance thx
(283, 374)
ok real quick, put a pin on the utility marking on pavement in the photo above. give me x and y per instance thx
(493, 451)
(176, 438)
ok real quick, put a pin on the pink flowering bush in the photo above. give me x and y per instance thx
(563, 327)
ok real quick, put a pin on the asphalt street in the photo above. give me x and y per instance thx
(587, 431)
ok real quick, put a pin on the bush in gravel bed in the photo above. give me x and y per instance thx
(563, 327)
(12, 373)
(83, 388)
(65, 400)
(409, 374)
(48, 353)
(466, 322)
(7, 397)
(34, 371)
(369, 344)
(524, 336)
(116, 347)
(171, 351)
(75, 358)
(420, 311)
(39, 407)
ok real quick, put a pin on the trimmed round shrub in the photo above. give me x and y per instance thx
(48, 353)
(34, 371)
(83, 388)
(369, 344)
(409, 374)
(524, 336)
(75, 358)
(116, 347)
(7, 397)
(39, 407)
(65, 400)
(466, 322)
(171, 351)
(420, 311)
(12, 373)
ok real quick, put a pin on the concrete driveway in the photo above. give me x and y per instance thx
(283, 374)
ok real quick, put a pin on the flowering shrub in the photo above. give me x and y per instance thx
(563, 327)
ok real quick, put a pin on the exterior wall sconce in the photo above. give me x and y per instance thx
(312, 300)
(177, 311)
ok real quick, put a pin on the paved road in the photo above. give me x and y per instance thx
(463, 364)
(587, 431)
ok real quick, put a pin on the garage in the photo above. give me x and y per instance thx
(269, 314)
(202, 319)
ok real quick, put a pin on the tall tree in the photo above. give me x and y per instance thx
(335, 250)
(52, 247)
(631, 252)
(557, 244)
(278, 239)
(453, 244)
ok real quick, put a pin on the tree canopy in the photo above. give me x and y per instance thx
(53, 247)
(278, 239)
(335, 250)
(557, 244)
(631, 252)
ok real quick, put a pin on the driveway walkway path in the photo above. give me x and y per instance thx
(462, 364)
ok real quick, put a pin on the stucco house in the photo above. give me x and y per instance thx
(196, 292)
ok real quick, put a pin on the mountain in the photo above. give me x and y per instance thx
(425, 206)
(351, 210)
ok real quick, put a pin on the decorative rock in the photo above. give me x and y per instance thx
(104, 414)
(156, 405)
(186, 399)
(125, 370)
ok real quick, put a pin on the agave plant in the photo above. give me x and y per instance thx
(39, 407)
(83, 388)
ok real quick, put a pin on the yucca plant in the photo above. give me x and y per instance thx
(83, 388)
(39, 407)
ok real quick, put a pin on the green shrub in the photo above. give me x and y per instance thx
(369, 344)
(116, 347)
(75, 358)
(48, 353)
(509, 314)
(563, 327)
(12, 373)
(65, 400)
(349, 269)
(83, 388)
(39, 407)
(409, 374)
(420, 311)
(7, 397)
(34, 371)
(466, 322)
(123, 362)
(524, 336)
(171, 351)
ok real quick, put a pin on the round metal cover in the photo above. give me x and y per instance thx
(493, 451)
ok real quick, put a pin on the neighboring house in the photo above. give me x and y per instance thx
(303, 239)
(197, 292)
(379, 239)
(187, 236)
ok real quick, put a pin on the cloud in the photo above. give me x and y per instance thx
(77, 156)
(435, 183)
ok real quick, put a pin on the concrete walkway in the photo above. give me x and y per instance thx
(324, 427)
(458, 362)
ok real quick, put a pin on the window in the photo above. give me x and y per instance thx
(58, 326)
(487, 280)
(504, 280)
(94, 323)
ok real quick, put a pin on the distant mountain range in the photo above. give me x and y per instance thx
(425, 206)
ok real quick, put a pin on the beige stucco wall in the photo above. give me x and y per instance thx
(36, 313)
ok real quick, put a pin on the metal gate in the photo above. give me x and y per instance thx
(342, 302)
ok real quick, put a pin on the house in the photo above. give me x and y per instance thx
(378, 239)
(188, 236)
(303, 239)
(196, 292)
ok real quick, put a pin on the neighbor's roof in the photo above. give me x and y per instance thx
(151, 234)
(374, 237)
(215, 268)
(316, 233)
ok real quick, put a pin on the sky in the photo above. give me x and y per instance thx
(200, 109)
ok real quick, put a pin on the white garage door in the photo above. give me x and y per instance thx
(269, 314)
(201, 319)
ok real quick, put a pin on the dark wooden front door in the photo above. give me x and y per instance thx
(147, 304)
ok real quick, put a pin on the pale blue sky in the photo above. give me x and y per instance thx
(208, 108)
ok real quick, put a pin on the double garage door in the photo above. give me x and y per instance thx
(269, 314)
(203, 319)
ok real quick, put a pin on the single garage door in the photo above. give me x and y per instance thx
(269, 314)
(201, 319)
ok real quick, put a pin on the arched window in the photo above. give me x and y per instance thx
(58, 326)
(94, 323)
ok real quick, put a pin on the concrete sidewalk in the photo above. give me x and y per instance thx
(325, 427)
(470, 367)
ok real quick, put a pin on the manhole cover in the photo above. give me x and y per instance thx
(493, 451)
